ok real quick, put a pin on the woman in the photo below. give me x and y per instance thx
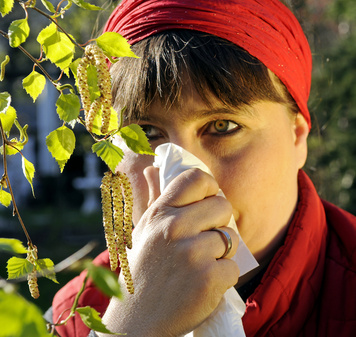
(229, 82)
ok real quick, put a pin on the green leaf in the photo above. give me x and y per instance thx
(8, 118)
(48, 5)
(34, 84)
(105, 280)
(19, 31)
(3, 64)
(29, 172)
(23, 132)
(109, 153)
(45, 267)
(18, 267)
(113, 125)
(92, 320)
(6, 7)
(61, 144)
(93, 83)
(73, 67)
(68, 107)
(19, 317)
(5, 100)
(136, 139)
(58, 48)
(115, 45)
(5, 198)
(13, 246)
(85, 5)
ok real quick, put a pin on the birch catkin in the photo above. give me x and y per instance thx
(95, 56)
(106, 200)
(126, 186)
(32, 276)
(117, 221)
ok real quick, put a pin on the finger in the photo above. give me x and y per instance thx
(190, 186)
(229, 272)
(203, 215)
(152, 177)
(216, 243)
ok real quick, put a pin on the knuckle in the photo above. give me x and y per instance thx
(198, 176)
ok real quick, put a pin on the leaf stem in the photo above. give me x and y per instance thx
(75, 303)
(15, 209)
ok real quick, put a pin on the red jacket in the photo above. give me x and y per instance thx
(309, 288)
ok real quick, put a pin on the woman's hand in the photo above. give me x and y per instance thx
(178, 277)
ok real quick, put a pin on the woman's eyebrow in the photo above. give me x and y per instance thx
(242, 110)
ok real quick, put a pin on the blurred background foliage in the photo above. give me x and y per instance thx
(332, 142)
(56, 220)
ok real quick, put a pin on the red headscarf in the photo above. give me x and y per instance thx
(265, 28)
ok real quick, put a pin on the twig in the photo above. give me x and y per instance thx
(35, 61)
(15, 209)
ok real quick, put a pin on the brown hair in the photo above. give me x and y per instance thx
(218, 69)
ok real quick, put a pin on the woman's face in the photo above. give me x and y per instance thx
(253, 152)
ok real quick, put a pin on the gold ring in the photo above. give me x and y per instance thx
(227, 239)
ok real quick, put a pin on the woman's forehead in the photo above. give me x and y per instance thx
(190, 106)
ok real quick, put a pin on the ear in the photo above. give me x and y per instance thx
(301, 132)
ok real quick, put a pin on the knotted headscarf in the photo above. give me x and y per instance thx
(265, 28)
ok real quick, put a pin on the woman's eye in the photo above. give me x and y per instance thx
(151, 131)
(222, 126)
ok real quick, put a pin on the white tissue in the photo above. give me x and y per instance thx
(225, 321)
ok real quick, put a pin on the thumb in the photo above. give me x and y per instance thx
(152, 177)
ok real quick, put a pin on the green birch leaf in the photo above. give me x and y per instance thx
(61, 144)
(92, 320)
(105, 280)
(29, 172)
(68, 107)
(6, 6)
(85, 5)
(8, 119)
(12, 246)
(23, 132)
(93, 83)
(3, 65)
(58, 48)
(19, 31)
(113, 125)
(34, 84)
(19, 317)
(136, 139)
(73, 67)
(109, 153)
(45, 267)
(5, 198)
(48, 5)
(18, 267)
(114, 45)
(5, 100)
